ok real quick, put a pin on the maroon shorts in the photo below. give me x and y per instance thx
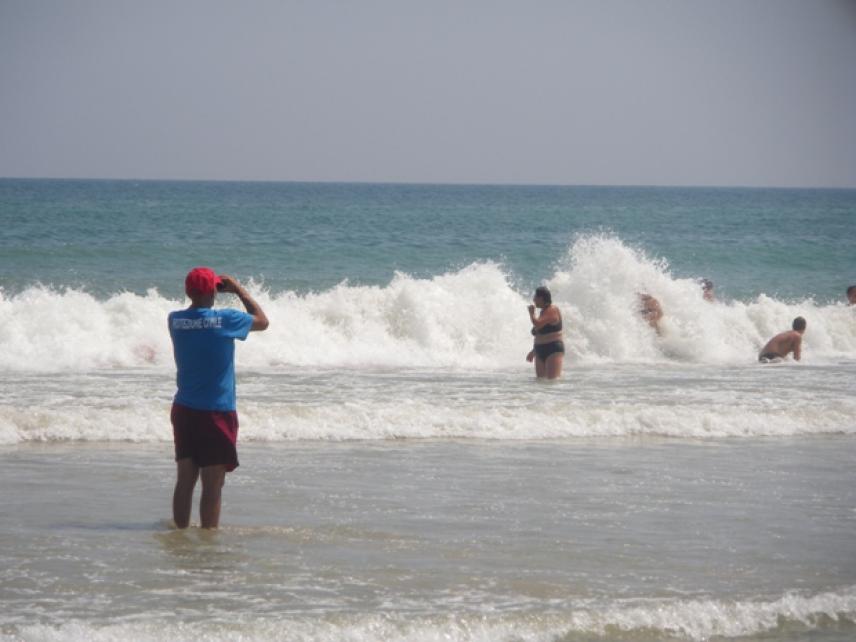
(206, 436)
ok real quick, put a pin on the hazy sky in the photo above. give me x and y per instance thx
(732, 92)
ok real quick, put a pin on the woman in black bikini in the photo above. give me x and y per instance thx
(549, 349)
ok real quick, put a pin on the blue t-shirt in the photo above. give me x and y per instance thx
(203, 342)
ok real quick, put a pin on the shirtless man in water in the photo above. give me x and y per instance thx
(784, 343)
(651, 310)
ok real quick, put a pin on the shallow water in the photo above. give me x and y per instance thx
(287, 404)
(642, 538)
(403, 476)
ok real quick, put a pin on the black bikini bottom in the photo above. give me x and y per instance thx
(544, 350)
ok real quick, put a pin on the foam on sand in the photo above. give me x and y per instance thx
(653, 619)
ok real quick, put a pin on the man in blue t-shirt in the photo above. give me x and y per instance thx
(204, 416)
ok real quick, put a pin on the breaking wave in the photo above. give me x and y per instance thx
(473, 318)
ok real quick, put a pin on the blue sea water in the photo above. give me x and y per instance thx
(111, 236)
(404, 476)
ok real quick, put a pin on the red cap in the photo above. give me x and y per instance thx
(201, 280)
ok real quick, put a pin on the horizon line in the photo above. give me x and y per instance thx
(423, 183)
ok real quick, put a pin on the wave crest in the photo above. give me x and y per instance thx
(473, 318)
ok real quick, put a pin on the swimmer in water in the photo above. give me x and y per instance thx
(707, 290)
(651, 310)
(548, 353)
(784, 343)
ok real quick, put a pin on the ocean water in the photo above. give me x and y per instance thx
(403, 474)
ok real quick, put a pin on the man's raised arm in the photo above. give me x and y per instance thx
(260, 320)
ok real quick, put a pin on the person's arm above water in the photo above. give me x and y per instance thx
(260, 320)
(550, 316)
(797, 347)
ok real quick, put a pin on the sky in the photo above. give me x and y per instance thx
(609, 92)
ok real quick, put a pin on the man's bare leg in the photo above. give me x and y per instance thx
(182, 497)
(213, 478)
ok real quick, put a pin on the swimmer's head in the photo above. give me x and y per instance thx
(799, 325)
(543, 293)
(851, 294)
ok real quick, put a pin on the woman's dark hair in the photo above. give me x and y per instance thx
(544, 293)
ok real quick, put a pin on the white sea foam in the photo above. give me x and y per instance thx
(144, 420)
(470, 319)
(652, 619)
(597, 286)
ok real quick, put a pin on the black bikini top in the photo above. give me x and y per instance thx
(549, 329)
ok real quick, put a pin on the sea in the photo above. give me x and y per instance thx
(404, 475)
